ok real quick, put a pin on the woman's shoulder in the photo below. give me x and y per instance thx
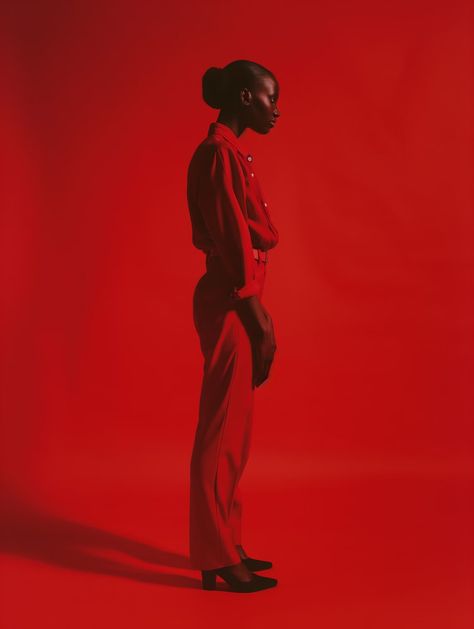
(216, 144)
(215, 147)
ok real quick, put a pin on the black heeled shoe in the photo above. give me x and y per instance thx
(256, 565)
(256, 584)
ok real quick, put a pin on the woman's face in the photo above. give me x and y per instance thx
(262, 111)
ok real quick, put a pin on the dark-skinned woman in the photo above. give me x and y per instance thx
(231, 224)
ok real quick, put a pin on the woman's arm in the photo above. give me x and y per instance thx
(259, 325)
(221, 198)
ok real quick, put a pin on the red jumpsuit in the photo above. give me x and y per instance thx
(231, 224)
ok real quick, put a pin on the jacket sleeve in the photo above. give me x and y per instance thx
(221, 194)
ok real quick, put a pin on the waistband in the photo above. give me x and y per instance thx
(258, 254)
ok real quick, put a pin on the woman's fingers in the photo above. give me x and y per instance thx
(262, 371)
(263, 354)
(257, 368)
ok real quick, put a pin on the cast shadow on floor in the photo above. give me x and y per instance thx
(28, 532)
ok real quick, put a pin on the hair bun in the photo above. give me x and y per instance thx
(213, 87)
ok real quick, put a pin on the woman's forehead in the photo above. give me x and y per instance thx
(268, 83)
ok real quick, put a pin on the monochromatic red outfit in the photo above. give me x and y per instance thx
(232, 226)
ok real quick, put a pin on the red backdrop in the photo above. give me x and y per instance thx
(360, 480)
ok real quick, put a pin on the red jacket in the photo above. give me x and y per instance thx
(229, 215)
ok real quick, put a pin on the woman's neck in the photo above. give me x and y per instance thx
(233, 122)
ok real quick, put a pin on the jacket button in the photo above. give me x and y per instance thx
(252, 174)
(249, 158)
(265, 204)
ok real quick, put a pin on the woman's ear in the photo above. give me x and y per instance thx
(246, 96)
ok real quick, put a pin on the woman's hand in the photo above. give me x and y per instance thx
(259, 326)
(263, 350)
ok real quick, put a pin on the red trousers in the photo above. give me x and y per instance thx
(222, 438)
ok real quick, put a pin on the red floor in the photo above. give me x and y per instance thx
(352, 547)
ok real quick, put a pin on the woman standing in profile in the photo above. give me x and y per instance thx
(231, 224)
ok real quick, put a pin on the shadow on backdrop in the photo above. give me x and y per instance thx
(30, 532)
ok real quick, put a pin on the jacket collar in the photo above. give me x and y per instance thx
(221, 129)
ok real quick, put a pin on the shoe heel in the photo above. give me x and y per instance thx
(208, 580)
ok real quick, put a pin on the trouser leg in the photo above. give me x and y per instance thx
(235, 519)
(221, 446)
